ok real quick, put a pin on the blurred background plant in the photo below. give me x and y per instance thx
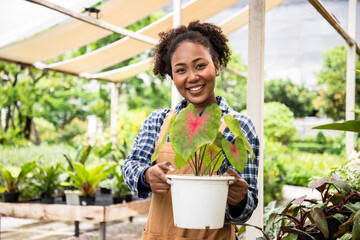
(350, 171)
(46, 181)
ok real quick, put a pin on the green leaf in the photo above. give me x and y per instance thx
(349, 126)
(293, 230)
(341, 218)
(356, 111)
(179, 161)
(236, 153)
(356, 226)
(354, 207)
(156, 152)
(213, 157)
(218, 140)
(85, 154)
(235, 128)
(320, 221)
(107, 149)
(190, 131)
(290, 237)
(26, 169)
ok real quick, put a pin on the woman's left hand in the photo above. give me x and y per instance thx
(237, 190)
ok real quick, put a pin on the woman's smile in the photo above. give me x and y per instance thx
(196, 90)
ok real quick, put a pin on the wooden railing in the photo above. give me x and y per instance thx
(62, 212)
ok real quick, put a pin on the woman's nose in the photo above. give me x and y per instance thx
(192, 76)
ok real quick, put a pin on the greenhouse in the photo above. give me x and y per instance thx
(82, 82)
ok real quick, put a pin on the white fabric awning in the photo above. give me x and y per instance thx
(234, 22)
(127, 47)
(73, 33)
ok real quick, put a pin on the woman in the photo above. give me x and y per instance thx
(192, 56)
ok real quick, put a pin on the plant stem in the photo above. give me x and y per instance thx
(223, 165)
(197, 164)
(218, 157)
(202, 155)
(191, 166)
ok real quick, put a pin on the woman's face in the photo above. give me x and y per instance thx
(194, 74)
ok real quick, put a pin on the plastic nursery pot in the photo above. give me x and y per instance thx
(199, 202)
(87, 201)
(105, 190)
(129, 198)
(117, 200)
(47, 200)
(11, 197)
(72, 197)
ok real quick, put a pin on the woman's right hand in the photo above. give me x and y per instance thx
(155, 177)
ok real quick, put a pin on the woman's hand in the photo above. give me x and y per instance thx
(237, 190)
(155, 177)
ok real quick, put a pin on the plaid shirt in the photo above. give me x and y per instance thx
(144, 145)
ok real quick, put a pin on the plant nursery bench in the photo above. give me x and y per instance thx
(62, 212)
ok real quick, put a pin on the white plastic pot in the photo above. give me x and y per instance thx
(199, 202)
(72, 197)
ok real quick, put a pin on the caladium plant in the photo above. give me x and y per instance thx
(197, 141)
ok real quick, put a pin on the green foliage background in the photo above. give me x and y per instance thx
(332, 82)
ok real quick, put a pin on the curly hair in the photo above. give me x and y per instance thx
(206, 34)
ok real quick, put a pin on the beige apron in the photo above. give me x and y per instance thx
(160, 222)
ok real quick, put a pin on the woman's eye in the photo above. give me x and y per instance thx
(180, 70)
(200, 66)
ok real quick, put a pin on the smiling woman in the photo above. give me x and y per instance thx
(192, 56)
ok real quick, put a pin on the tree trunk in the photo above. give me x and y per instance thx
(36, 135)
(7, 119)
(27, 128)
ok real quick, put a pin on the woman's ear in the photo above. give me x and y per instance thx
(217, 67)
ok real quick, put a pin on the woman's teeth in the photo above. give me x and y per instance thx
(195, 88)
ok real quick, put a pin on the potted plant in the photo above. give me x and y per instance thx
(298, 220)
(81, 156)
(86, 179)
(13, 176)
(198, 144)
(118, 187)
(46, 181)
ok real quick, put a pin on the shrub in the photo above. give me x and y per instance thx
(76, 127)
(299, 168)
(278, 123)
(320, 144)
(298, 98)
(274, 172)
(320, 138)
(350, 172)
(46, 130)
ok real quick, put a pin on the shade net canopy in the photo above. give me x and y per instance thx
(48, 34)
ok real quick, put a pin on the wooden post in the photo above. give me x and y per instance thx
(255, 98)
(102, 231)
(114, 112)
(175, 95)
(77, 229)
(350, 75)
